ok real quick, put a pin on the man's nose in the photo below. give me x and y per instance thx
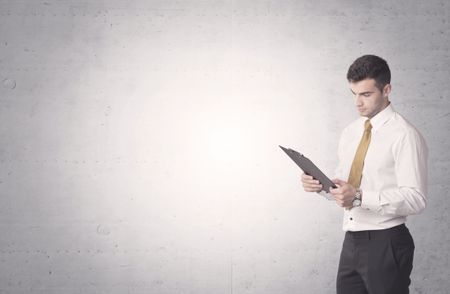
(358, 100)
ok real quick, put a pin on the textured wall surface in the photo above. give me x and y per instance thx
(139, 140)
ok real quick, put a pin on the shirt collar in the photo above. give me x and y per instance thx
(380, 118)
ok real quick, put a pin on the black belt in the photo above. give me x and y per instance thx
(376, 234)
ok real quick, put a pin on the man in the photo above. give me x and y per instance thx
(384, 159)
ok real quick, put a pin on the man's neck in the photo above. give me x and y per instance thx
(386, 104)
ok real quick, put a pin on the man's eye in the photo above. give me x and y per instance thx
(366, 94)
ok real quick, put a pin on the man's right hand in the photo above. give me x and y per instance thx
(310, 184)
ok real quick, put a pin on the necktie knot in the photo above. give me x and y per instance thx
(367, 126)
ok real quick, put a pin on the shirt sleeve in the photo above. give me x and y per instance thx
(409, 197)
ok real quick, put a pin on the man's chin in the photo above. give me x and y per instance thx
(362, 114)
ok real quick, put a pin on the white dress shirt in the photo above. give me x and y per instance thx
(394, 176)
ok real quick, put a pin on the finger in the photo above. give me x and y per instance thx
(313, 188)
(336, 186)
(311, 183)
(315, 184)
(339, 182)
(335, 191)
(306, 177)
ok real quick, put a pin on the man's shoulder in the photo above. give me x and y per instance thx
(406, 130)
(404, 125)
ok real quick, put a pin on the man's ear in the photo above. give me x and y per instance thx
(387, 90)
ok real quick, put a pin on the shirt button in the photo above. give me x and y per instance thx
(351, 218)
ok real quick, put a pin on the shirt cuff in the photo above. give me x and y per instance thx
(370, 200)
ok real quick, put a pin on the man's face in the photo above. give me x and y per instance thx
(369, 100)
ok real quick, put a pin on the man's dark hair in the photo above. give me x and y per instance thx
(370, 67)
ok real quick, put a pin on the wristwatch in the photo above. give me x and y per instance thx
(357, 199)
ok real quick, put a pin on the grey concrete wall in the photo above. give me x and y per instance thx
(139, 140)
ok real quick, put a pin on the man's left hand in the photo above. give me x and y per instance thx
(344, 194)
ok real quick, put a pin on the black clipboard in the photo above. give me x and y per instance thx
(309, 168)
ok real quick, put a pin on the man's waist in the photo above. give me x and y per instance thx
(359, 219)
(377, 234)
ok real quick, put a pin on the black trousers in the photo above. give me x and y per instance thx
(376, 262)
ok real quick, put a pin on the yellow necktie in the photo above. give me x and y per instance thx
(358, 162)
